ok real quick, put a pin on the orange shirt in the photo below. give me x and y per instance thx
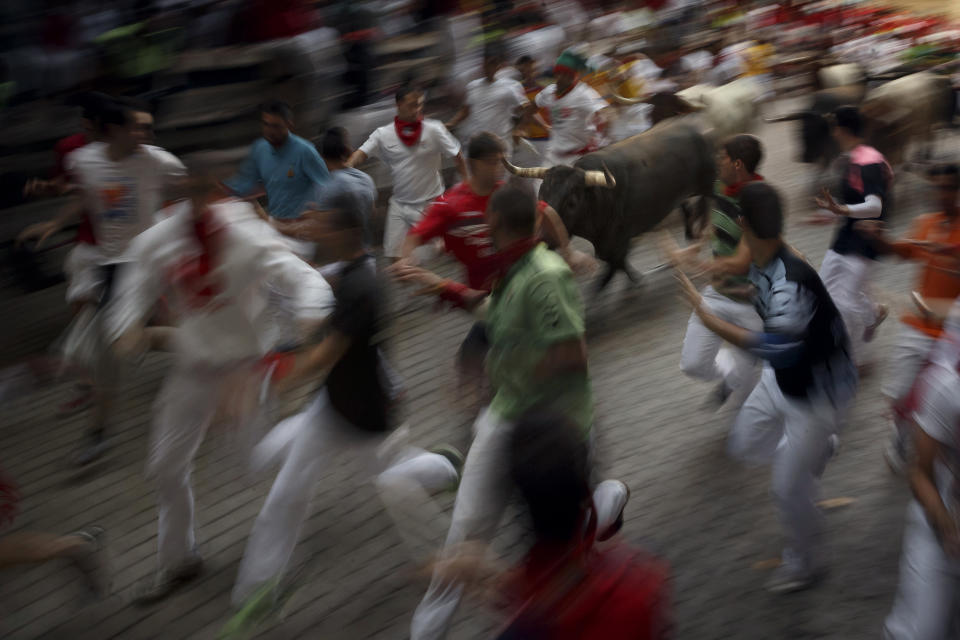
(940, 277)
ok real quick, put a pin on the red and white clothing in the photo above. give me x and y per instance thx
(121, 199)
(415, 170)
(221, 297)
(573, 117)
(459, 217)
(493, 107)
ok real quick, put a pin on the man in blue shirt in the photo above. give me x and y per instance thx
(285, 165)
(808, 381)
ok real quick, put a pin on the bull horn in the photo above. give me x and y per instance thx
(619, 99)
(593, 178)
(526, 172)
(790, 116)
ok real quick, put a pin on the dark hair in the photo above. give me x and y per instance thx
(761, 210)
(135, 104)
(848, 118)
(948, 169)
(524, 60)
(516, 209)
(345, 212)
(483, 145)
(493, 52)
(114, 113)
(277, 108)
(745, 148)
(405, 90)
(91, 103)
(550, 468)
(334, 145)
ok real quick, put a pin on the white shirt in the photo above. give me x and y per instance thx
(251, 266)
(493, 106)
(572, 117)
(415, 170)
(122, 197)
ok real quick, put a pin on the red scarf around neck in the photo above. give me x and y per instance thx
(508, 256)
(733, 190)
(191, 274)
(408, 132)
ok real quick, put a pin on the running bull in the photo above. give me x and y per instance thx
(615, 194)
(896, 114)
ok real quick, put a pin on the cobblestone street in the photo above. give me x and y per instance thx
(711, 518)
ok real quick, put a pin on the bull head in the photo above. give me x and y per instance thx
(591, 178)
(619, 99)
(799, 115)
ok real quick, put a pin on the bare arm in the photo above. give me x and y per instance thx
(461, 165)
(563, 357)
(459, 117)
(357, 158)
(316, 360)
(411, 242)
(42, 231)
(738, 264)
(925, 491)
(737, 336)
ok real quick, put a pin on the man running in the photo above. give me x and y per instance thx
(284, 165)
(492, 103)
(933, 240)
(792, 416)
(535, 324)
(846, 268)
(575, 118)
(215, 260)
(728, 295)
(413, 148)
(121, 183)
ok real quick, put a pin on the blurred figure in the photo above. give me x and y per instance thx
(846, 268)
(492, 104)
(353, 414)
(285, 165)
(728, 295)
(574, 112)
(925, 606)
(413, 149)
(535, 325)
(619, 592)
(121, 181)
(793, 415)
(934, 240)
(215, 260)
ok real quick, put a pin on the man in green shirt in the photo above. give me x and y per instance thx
(729, 293)
(538, 358)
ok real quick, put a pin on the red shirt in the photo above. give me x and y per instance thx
(459, 216)
(63, 148)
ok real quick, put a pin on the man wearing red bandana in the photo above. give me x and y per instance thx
(413, 149)
(535, 324)
(574, 112)
(214, 261)
(729, 293)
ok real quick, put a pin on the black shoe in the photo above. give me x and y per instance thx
(90, 453)
(93, 561)
(165, 583)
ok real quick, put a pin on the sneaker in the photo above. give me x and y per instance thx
(90, 453)
(252, 613)
(93, 562)
(788, 578)
(80, 402)
(870, 332)
(453, 455)
(166, 583)
(617, 525)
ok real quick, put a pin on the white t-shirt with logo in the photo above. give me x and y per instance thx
(122, 197)
(415, 170)
(493, 106)
(572, 117)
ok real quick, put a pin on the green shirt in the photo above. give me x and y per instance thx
(538, 306)
(725, 233)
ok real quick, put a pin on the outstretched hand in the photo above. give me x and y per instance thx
(409, 274)
(688, 291)
(826, 201)
(40, 231)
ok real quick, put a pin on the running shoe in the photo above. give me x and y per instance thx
(93, 561)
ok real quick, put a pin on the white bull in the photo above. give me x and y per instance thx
(728, 109)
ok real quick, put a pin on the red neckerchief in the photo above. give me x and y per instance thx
(509, 256)
(733, 190)
(408, 132)
(192, 273)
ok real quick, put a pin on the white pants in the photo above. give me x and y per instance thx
(401, 217)
(307, 443)
(698, 359)
(927, 606)
(793, 434)
(84, 270)
(846, 278)
(481, 499)
(910, 351)
(182, 412)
